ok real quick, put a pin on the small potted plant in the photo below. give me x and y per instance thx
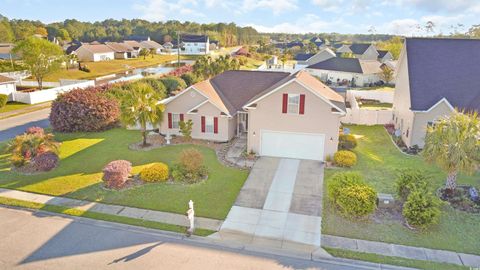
(328, 161)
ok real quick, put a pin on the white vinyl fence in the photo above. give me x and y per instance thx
(361, 116)
(48, 94)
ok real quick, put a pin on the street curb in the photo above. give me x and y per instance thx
(178, 237)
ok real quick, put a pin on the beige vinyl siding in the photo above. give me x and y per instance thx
(318, 118)
(421, 120)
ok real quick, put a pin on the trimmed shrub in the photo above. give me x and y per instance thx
(84, 110)
(344, 158)
(190, 168)
(173, 84)
(357, 200)
(45, 162)
(189, 78)
(157, 85)
(421, 209)
(156, 172)
(3, 100)
(116, 173)
(186, 129)
(347, 142)
(408, 180)
(340, 181)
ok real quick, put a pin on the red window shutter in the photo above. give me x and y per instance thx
(203, 124)
(302, 104)
(285, 103)
(181, 117)
(215, 125)
(169, 120)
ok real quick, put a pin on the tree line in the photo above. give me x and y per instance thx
(228, 34)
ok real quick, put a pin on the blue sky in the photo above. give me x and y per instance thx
(342, 16)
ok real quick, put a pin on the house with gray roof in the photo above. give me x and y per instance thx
(313, 58)
(384, 56)
(364, 51)
(281, 114)
(347, 71)
(434, 76)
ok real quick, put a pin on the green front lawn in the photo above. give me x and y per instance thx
(12, 106)
(83, 155)
(378, 161)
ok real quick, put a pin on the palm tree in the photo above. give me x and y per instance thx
(453, 143)
(141, 106)
(144, 52)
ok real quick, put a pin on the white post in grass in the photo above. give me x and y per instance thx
(191, 218)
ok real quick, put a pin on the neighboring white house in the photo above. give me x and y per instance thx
(95, 53)
(347, 71)
(195, 44)
(7, 87)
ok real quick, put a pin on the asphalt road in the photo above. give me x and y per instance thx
(39, 240)
(12, 126)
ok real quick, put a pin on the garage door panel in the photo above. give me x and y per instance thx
(292, 145)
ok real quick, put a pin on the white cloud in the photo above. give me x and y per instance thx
(310, 23)
(158, 10)
(276, 6)
(416, 27)
(443, 5)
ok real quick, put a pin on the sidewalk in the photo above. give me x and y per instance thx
(28, 109)
(144, 214)
(380, 248)
(386, 249)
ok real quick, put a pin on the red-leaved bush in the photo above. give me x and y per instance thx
(116, 173)
(181, 70)
(35, 131)
(45, 162)
(87, 109)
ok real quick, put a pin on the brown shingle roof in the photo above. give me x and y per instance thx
(231, 90)
(100, 48)
(119, 47)
(4, 79)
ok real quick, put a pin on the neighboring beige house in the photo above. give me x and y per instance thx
(95, 53)
(7, 87)
(122, 51)
(384, 56)
(363, 51)
(313, 58)
(135, 46)
(434, 76)
(152, 45)
(281, 114)
(347, 71)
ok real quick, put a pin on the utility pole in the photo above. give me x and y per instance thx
(178, 49)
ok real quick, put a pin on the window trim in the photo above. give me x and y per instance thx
(173, 120)
(292, 104)
(207, 121)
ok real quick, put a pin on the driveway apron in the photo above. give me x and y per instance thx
(279, 205)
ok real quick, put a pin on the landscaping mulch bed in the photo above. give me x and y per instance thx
(394, 213)
(460, 199)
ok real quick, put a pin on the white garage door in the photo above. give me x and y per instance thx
(292, 145)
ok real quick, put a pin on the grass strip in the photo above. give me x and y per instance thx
(375, 258)
(100, 216)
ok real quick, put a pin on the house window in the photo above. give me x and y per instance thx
(175, 120)
(293, 103)
(209, 128)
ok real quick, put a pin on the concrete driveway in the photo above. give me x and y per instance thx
(279, 206)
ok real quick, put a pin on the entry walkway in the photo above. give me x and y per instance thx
(279, 206)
